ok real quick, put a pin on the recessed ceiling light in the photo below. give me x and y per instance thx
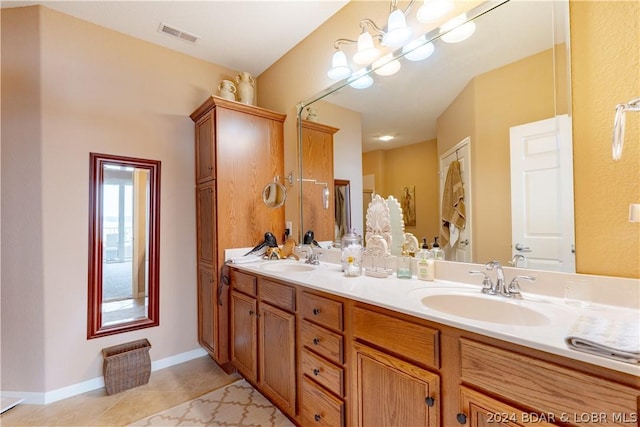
(385, 138)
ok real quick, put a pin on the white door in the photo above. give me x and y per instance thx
(542, 194)
(462, 250)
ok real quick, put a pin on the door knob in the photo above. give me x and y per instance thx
(521, 248)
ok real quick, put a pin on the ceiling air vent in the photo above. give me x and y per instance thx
(180, 34)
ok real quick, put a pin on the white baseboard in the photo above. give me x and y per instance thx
(35, 398)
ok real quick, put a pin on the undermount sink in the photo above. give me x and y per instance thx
(286, 267)
(486, 309)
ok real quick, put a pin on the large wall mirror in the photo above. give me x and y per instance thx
(513, 70)
(124, 233)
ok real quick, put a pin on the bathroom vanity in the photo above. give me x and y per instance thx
(323, 347)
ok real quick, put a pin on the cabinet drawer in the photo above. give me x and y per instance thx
(322, 341)
(277, 294)
(243, 282)
(322, 310)
(543, 386)
(325, 373)
(320, 408)
(416, 342)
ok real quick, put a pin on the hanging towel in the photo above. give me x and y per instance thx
(453, 211)
(617, 339)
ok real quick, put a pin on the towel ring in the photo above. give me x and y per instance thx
(618, 126)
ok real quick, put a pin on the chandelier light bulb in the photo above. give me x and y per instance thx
(397, 31)
(339, 67)
(386, 66)
(432, 10)
(456, 30)
(418, 49)
(367, 52)
(360, 80)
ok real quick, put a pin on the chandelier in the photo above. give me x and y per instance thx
(373, 41)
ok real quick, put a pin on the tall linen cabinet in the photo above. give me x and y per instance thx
(239, 149)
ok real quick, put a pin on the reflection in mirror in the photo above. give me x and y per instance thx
(274, 194)
(123, 244)
(342, 194)
(514, 70)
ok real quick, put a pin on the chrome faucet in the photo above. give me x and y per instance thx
(513, 291)
(516, 259)
(498, 288)
(312, 257)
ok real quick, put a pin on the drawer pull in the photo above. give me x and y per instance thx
(430, 401)
(317, 418)
(316, 341)
(462, 418)
(316, 372)
(316, 311)
(251, 312)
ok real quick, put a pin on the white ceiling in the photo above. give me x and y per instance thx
(238, 34)
(252, 35)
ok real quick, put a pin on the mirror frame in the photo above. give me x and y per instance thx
(95, 329)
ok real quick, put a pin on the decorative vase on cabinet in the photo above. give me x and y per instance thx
(246, 88)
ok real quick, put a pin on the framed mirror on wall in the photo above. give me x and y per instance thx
(124, 244)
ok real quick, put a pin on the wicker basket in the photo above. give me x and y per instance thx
(126, 366)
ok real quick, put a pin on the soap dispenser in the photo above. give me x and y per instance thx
(438, 253)
(426, 268)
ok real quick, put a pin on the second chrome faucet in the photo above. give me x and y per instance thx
(512, 290)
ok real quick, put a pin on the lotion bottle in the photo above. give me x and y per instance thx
(426, 267)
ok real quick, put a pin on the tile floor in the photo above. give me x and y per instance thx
(166, 388)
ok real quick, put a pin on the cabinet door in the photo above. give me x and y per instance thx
(277, 356)
(479, 410)
(206, 308)
(410, 394)
(206, 222)
(205, 148)
(244, 323)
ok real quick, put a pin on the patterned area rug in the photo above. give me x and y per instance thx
(237, 404)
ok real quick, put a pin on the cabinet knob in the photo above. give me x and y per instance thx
(316, 341)
(316, 372)
(250, 312)
(316, 311)
(430, 401)
(462, 418)
(317, 418)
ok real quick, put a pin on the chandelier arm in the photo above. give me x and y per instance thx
(338, 42)
(408, 8)
(367, 21)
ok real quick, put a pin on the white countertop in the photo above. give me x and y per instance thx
(405, 295)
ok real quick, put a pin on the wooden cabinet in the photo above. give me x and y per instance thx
(322, 360)
(263, 326)
(317, 164)
(239, 149)
(540, 388)
(393, 372)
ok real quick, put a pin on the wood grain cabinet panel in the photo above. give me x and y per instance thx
(391, 392)
(322, 341)
(277, 294)
(321, 310)
(277, 356)
(323, 372)
(244, 333)
(479, 410)
(411, 340)
(205, 148)
(245, 283)
(546, 387)
(206, 223)
(320, 408)
(206, 307)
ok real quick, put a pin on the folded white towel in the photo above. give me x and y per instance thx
(617, 338)
(245, 259)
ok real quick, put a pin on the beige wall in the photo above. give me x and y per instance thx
(71, 88)
(412, 165)
(605, 71)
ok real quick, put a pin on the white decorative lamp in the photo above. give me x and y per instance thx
(457, 29)
(339, 67)
(397, 32)
(418, 49)
(367, 52)
(386, 66)
(432, 10)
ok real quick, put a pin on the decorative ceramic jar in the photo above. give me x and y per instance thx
(227, 90)
(352, 254)
(246, 88)
(312, 114)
